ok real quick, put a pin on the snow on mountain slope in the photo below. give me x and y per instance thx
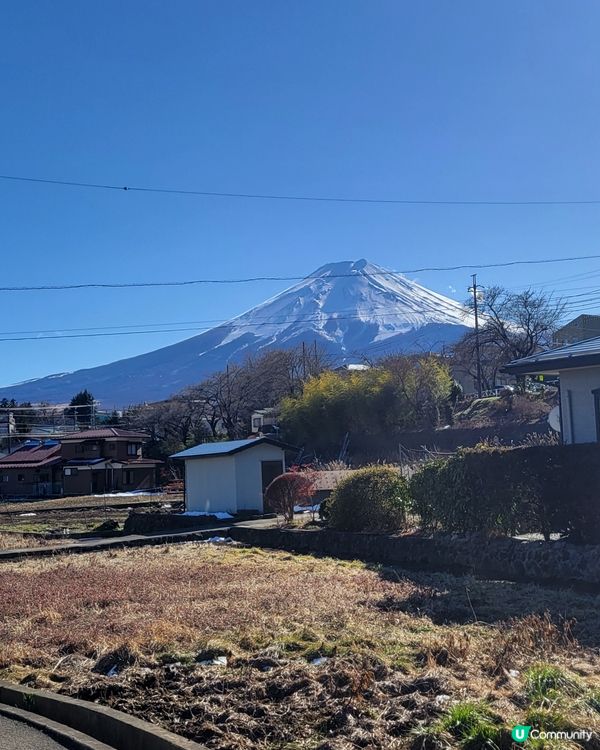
(350, 308)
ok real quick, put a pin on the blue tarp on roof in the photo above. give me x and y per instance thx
(206, 450)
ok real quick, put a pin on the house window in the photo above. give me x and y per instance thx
(132, 449)
(128, 476)
(4, 478)
(20, 477)
(44, 477)
(69, 472)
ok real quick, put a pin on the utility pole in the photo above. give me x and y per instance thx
(303, 361)
(473, 289)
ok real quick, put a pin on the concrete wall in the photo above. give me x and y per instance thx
(210, 484)
(248, 472)
(577, 404)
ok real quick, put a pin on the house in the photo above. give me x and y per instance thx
(89, 461)
(578, 369)
(108, 459)
(265, 420)
(579, 329)
(231, 476)
(33, 469)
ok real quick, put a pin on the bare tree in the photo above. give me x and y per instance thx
(513, 325)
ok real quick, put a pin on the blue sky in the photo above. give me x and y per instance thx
(390, 99)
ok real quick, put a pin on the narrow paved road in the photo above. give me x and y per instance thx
(99, 544)
(14, 735)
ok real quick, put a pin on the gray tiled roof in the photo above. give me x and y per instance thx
(580, 354)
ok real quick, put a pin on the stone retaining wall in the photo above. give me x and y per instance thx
(158, 521)
(554, 562)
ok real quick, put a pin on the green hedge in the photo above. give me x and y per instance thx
(375, 498)
(542, 489)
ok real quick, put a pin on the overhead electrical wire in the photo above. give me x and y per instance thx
(572, 303)
(295, 197)
(251, 279)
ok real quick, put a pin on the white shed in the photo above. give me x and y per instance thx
(231, 476)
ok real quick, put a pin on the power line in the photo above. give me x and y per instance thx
(251, 279)
(302, 198)
(231, 324)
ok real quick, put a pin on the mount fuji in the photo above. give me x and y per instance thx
(351, 309)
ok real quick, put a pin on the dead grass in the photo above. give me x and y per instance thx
(86, 501)
(400, 655)
(20, 541)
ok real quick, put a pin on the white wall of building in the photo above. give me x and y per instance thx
(210, 484)
(577, 404)
(248, 470)
(228, 483)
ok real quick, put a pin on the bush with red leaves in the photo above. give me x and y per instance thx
(288, 490)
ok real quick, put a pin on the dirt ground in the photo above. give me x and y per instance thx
(243, 648)
(73, 514)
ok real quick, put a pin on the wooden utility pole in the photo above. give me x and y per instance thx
(473, 289)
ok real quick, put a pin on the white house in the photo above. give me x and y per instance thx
(578, 369)
(231, 476)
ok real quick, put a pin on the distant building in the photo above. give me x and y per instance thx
(108, 459)
(32, 470)
(581, 328)
(87, 462)
(264, 421)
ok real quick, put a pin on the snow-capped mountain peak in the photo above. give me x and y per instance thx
(349, 308)
(340, 298)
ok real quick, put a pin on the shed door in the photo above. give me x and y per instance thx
(270, 470)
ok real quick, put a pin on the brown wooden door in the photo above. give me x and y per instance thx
(270, 470)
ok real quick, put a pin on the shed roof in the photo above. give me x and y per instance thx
(227, 448)
(580, 354)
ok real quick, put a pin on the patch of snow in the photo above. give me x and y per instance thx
(218, 514)
(22, 515)
(307, 508)
(318, 660)
(219, 540)
(113, 671)
(218, 661)
(126, 494)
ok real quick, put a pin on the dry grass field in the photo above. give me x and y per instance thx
(86, 501)
(20, 541)
(243, 648)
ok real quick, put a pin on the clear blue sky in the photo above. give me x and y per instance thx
(392, 99)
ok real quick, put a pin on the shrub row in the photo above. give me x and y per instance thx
(504, 491)
(375, 498)
(544, 489)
